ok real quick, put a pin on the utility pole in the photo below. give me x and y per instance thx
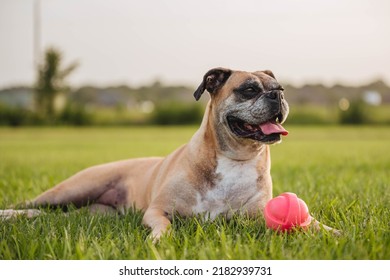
(37, 33)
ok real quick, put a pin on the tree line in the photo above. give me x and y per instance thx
(54, 102)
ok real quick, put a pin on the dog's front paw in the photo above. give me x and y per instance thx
(317, 226)
(336, 232)
(157, 220)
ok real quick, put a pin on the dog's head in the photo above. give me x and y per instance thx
(248, 106)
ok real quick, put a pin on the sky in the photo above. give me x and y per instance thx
(176, 41)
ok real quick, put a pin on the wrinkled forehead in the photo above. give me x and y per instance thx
(263, 80)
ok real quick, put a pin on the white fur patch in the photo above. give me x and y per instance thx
(10, 213)
(234, 188)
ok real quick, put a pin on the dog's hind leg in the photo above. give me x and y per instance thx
(97, 208)
(86, 188)
(10, 213)
(31, 213)
(82, 189)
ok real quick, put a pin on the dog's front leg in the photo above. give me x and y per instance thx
(157, 220)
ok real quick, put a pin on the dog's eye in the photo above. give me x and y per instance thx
(249, 92)
(249, 89)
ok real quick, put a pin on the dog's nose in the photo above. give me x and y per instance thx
(273, 94)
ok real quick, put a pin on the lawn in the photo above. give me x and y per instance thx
(341, 172)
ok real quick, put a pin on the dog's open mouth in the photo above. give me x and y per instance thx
(268, 132)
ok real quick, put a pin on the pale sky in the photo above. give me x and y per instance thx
(134, 42)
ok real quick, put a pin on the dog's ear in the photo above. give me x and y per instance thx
(269, 73)
(213, 80)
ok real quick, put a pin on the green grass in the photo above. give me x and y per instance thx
(341, 172)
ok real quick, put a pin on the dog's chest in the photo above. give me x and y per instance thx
(235, 186)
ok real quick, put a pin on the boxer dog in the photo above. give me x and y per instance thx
(224, 169)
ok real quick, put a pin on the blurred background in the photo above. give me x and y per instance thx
(95, 62)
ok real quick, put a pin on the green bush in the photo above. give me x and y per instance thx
(355, 114)
(71, 115)
(177, 114)
(307, 118)
(311, 115)
(13, 116)
(74, 115)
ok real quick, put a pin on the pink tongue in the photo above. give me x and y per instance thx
(270, 128)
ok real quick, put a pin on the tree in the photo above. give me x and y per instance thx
(51, 82)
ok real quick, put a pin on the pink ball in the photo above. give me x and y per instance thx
(286, 211)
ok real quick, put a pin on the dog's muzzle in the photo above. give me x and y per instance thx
(268, 130)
